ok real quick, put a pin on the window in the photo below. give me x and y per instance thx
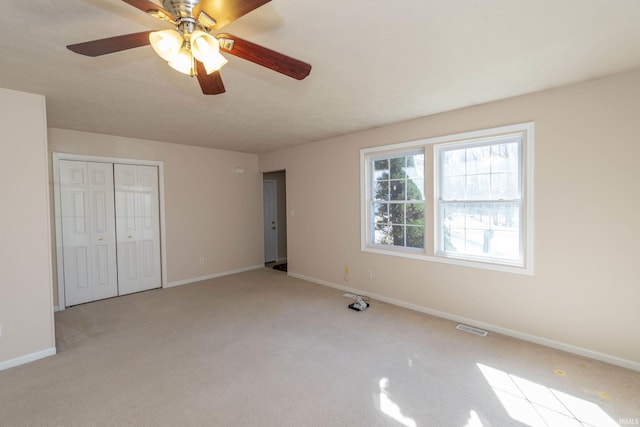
(480, 199)
(397, 202)
(464, 199)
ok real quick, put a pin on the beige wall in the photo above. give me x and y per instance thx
(585, 290)
(281, 181)
(210, 211)
(26, 309)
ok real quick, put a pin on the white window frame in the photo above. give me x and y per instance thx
(430, 252)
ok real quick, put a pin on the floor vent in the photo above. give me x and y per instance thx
(472, 330)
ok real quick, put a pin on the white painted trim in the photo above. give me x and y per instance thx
(56, 156)
(214, 275)
(56, 308)
(580, 351)
(57, 202)
(27, 358)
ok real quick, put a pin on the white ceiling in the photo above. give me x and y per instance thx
(374, 62)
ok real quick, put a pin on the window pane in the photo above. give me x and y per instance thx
(381, 169)
(415, 189)
(505, 186)
(477, 216)
(415, 166)
(397, 168)
(478, 160)
(505, 216)
(415, 213)
(397, 234)
(415, 237)
(454, 215)
(454, 240)
(489, 229)
(505, 157)
(453, 188)
(381, 235)
(381, 190)
(381, 214)
(505, 244)
(478, 187)
(396, 213)
(397, 190)
(453, 163)
(474, 240)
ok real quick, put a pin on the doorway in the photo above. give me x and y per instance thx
(275, 219)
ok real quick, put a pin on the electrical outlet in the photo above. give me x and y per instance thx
(369, 274)
(201, 261)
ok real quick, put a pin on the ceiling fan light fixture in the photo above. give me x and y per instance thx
(166, 43)
(183, 62)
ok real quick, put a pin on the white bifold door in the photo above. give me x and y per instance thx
(88, 231)
(110, 229)
(138, 228)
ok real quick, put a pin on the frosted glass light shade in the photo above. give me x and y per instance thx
(214, 63)
(206, 49)
(183, 62)
(203, 45)
(166, 43)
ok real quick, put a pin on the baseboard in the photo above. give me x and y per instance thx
(27, 358)
(215, 275)
(56, 308)
(614, 360)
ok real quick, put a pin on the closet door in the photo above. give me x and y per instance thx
(88, 231)
(137, 228)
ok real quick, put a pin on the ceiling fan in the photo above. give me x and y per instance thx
(190, 48)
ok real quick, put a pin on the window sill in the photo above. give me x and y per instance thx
(418, 254)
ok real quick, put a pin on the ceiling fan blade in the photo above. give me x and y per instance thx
(262, 56)
(111, 44)
(211, 84)
(226, 11)
(147, 6)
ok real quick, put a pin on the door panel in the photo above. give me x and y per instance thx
(138, 228)
(78, 270)
(88, 231)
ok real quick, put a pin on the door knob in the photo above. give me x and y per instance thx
(273, 228)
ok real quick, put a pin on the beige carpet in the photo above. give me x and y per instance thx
(263, 349)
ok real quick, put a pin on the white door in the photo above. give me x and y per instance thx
(270, 200)
(88, 231)
(138, 228)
